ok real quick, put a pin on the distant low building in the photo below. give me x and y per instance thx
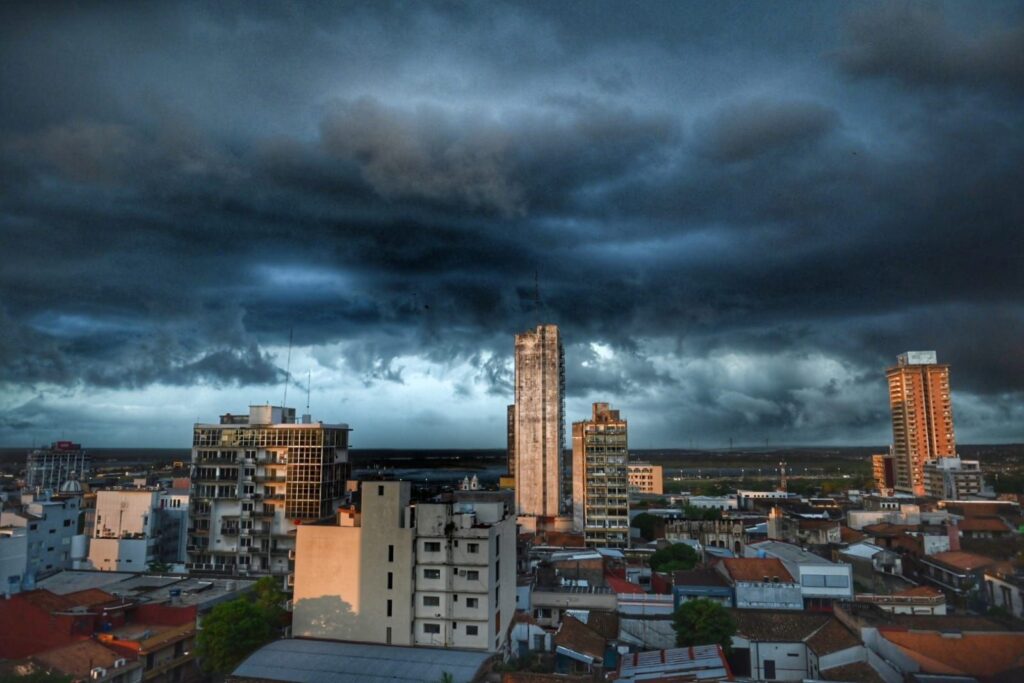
(49, 468)
(761, 583)
(954, 479)
(646, 478)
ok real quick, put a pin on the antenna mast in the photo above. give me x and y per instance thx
(288, 368)
(309, 383)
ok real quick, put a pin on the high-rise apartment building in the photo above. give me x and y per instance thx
(395, 573)
(539, 422)
(922, 416)
(255, 478)
(510, 447)
(50, 468)
(600, 474)
(883, 470)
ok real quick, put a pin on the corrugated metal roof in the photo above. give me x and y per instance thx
(313, 661)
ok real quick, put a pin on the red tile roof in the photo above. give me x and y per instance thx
(756, 569)
(832, 637)
(90, 597)
(576, 636)
(961, 560)
(923, 591)
(848, 535)
(621, 585)
(79, 658)
(983, 524)
(967, 654)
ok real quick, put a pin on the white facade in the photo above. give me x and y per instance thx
(1006, 594)
(954, 479)
(436, 574)
(50, 525)
(539, 417)
(713, 502)
(126, 535)
(465, 585)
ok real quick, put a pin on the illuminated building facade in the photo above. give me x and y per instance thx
(600, 495)
(539, 430)
(922, 416)
(50, 468)
(255, 478)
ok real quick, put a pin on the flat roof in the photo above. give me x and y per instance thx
(311, 661)
(151, 588)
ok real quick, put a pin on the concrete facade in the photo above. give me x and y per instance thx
(13, 559)
(256, 477)
(922, 416)
(953, 478)
(539, 422)
(51, 525)
(434, 574)
(646, 478)
(131, 531)
(49, 468)
(600, 478)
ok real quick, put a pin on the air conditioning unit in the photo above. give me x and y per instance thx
(97, 673)
(118, 663)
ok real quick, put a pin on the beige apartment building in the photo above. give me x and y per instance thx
(922, 416)
(646, 478)
(600, 492)
(953, 479)
(430, 574)
(539, 422)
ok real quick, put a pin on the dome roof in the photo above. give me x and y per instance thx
(71, 486)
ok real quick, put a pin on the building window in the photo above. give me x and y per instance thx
(432, 546)
(389, 608)
(474, 547)
(389, 635)
(473, 575)
(380, 490)
(431, 573)
(431, 601)
(391, 580)
(472, 602)
(472, 630)
(391, 553)
(431, 628)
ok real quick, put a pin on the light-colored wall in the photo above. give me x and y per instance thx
(120, 554)
(125, 512)
(994, 587)
(759, 595)
(644, 478)
(341, 573)
(539, 422)
(835, 570)
(790, 660)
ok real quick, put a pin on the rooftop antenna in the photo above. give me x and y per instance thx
(536, 290)
(309, 382)
(288, 368)
(782, 476)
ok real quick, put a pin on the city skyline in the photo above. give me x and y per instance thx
(737, 219)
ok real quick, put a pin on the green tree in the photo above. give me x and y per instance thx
(37, 676)
(231, 632)
(673, 558)
(703, 622)
(270, 599)
(159, 567)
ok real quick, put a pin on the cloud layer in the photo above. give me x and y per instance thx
(738, 217)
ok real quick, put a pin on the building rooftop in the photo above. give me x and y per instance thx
(701, 662)
(974, 524)
(779, 626)
(574, 635)
(863, 550)
(757, 569)
(967, 654)
(858, 672)
(699, 577)
(832, 637)
(318, 661)
(960, 560)
(788, 552)
(204, 593)
(78, 659)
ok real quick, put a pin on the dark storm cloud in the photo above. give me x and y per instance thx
(919, 44)
(737, 223)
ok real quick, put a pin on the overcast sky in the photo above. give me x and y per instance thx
(739, 214)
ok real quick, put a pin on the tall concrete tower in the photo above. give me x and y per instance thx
(922, 416)
(539, 421)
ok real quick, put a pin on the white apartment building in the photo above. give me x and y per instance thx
(255, 478)
(953, 479)
(430, 574)
(131, 531)
(600, 479)
(54, 538)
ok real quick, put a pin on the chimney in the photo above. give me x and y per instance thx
(954, 536)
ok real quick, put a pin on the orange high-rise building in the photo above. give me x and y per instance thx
(922, 416)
